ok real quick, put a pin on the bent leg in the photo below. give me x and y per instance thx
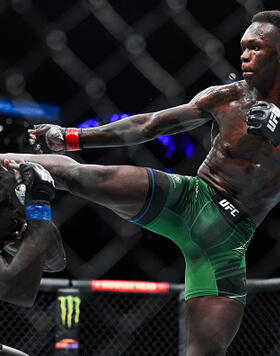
(212, 323)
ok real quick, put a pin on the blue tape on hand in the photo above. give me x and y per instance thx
(38, 212)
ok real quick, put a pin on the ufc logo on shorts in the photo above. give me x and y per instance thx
(272, 122)
(229, 207)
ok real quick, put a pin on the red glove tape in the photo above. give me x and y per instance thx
(72, 139)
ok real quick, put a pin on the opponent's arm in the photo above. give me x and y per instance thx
(20, 280)
(132, 130)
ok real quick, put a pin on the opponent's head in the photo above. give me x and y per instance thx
(12, 215)
(261, 50)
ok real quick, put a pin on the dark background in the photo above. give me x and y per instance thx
(97, 58)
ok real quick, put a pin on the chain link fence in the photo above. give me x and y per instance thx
(81, 322)
(31, 330)
(96, 58)
(260, 330)
(133, 324)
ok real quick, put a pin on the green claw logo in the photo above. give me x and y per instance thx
(69, 307)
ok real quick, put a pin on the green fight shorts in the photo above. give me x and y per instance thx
(211, 232)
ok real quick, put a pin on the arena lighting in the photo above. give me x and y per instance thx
(88, 123)
(117, 117)
(189, 150)
(29, 110)
(168, 141)
(129, 286)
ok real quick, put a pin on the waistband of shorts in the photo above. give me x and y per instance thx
(227, 206)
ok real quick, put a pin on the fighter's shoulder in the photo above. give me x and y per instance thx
(219, 94)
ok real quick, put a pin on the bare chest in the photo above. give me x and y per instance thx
(234, 142)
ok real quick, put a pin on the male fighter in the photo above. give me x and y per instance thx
(26, 231)
(213, 216)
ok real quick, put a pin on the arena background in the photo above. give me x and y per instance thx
(97, 60)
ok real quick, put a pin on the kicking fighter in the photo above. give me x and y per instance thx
(26, 231)
(211, 217)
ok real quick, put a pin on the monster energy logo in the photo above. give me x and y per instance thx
(69, 308)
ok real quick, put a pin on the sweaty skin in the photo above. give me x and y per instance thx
(242, 165)
(239, 165)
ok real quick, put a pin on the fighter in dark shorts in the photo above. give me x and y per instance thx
(211, 217)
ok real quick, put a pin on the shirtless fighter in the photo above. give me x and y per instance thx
(213, 216)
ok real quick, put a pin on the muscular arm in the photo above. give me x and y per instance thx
(145, 127)
(19, 280)
(132, 130)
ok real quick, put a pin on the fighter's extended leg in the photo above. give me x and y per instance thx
(212, 321)
(122, 189)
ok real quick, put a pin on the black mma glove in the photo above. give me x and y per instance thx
(37, 196)
(52, 140)
(39, 184)
(264, 121)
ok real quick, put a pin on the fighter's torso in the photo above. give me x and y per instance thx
(242, 165)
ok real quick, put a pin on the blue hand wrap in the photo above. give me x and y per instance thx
(38, 212)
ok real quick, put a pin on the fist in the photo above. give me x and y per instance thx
(38, 181)
(52, 136)
(264, 120)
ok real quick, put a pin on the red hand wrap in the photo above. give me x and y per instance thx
(72, 139)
